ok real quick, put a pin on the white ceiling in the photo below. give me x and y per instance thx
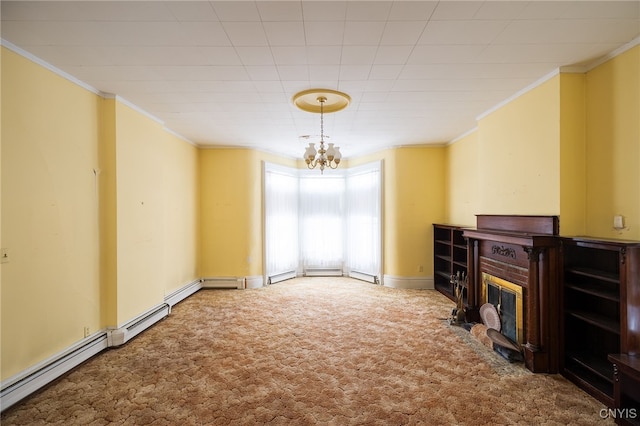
(224, 73)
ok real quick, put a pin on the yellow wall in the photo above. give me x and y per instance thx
(1, 53)
(569, 147)
(613, 146)
(226, 213)
(99, 213)
(231, 215)
(462, 191)
(181, 202)
(50, 287)
(157, 212)
(108, 242)
(231, 211)
(518, 155)
(415, 201)
(104, 212)
(573, 188)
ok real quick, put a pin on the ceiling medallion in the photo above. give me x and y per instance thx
(321, 101)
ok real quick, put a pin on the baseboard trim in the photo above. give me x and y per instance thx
(33, 379)
(223, 282)
(322, 272)
(283, 276)
(364, 277)
(29, 381)
(255, 281)
(183, 292)
(418, 283)
(121, 335)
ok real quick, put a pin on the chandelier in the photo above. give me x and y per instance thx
(321, 101)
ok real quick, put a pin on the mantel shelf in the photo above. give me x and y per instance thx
(522, 239)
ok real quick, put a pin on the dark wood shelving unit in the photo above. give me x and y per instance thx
(626, 388)
(601, 295)
(612, 325)
(595, 291)
(449, 257)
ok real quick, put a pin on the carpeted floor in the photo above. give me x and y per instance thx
(306, 351)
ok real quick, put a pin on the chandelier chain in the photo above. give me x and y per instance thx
(321, 99)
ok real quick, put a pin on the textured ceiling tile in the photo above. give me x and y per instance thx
(238, 11)
(245, 33)
(324, 33)
(324, 10)
(363, 33)
(402, 32)
(368, 10)
(417, 71)
(393, 54)
(285, 33)
(412, 10)
(280, 10)
(461, 32)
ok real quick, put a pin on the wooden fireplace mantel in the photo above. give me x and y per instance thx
(580, 296)
(523, 250)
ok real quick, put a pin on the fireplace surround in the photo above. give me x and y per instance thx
(523, 251)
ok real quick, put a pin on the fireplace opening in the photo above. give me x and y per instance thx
(507, 298)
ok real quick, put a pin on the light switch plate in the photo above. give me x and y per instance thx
(618, 222)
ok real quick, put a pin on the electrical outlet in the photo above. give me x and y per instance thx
(618, 222)
(420, 268)
(86, 332)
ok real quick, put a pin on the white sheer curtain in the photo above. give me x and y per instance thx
(364, 224)
(281, 220)
(323, 223)
(322, 211)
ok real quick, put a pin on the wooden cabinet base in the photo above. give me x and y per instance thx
(626, 389)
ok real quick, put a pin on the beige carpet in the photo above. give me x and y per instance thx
(307, 351)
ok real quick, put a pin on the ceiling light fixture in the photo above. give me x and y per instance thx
(321, 101)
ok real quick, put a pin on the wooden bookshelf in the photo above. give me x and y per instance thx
(601, 301)
(449, 257)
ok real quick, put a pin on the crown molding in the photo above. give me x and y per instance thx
(464, 135)
(566, 69)
(88, 87)
(179, 136)
(48, 66)
(132, 106)
(619, 51)
(519, 93)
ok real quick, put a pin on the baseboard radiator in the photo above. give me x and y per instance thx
(33, 379)
(276, 278)
(29, 381)
(363, 276)
(323, 272)
(183, 292)
(121, 335)
(226, 282)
